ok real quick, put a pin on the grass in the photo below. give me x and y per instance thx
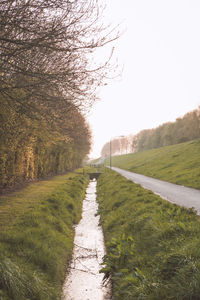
(152, 245)
(178, 164)
(36, 237)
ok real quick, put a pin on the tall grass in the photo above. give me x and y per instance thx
(178, 164)
(152, 245)
(37, 244)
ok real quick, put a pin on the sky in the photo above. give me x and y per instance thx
(160, 55)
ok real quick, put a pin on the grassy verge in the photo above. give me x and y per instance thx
(178, 164)
(152, 245)
(36, 237)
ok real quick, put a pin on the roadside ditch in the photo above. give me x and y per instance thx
(83, 279)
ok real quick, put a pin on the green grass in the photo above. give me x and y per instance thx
(178, 164)
(36, 237)
(152, 245)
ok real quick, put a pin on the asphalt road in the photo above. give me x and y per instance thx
(174, 193)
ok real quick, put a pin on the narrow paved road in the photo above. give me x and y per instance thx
(174, 193)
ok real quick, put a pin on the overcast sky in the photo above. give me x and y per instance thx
(160, 51)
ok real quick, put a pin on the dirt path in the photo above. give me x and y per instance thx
(84, 282)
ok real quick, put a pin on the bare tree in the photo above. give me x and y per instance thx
(45, 49)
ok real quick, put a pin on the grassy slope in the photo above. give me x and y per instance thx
(152, 245)
(179, 163)
(36, 237)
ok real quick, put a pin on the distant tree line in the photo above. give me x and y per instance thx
(117, 146)
(47, 81)
(182, 130)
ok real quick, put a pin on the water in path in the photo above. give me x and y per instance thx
(84, 282)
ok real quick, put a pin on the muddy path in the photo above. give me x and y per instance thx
(84, 282)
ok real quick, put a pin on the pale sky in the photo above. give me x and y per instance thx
(160, 51)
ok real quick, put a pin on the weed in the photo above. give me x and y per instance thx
(37, 244)
(152, 245)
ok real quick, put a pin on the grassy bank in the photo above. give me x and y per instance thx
(178, 164)
(36, 237)
(152, 245)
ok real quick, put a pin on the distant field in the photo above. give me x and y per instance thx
(178, 164)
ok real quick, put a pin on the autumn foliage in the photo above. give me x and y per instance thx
(47, 82)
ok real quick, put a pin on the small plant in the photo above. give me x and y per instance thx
(152, 245)
(37, 243)
(21, 284)
(118, 252)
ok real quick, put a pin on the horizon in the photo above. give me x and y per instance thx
(130, 134)
(160, 82)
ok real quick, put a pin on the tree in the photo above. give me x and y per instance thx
(45, 53)
(47, 80)
(45, 47)
(183, 129)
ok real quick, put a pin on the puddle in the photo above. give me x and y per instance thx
(84, 282)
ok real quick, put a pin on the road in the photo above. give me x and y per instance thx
(174, 193)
